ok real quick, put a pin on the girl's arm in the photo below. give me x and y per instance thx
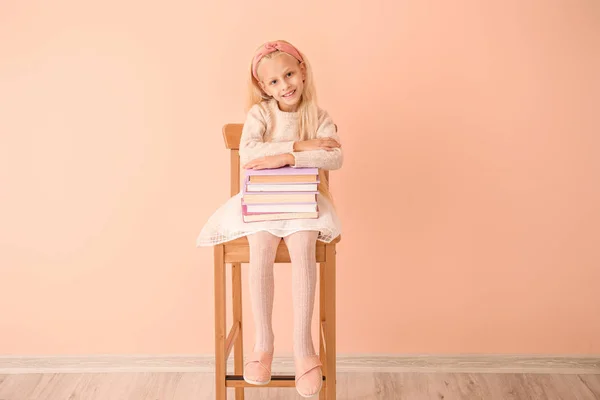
(324, 159)
(252, 144)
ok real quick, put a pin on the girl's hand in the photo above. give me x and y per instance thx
(280, 160)
(316, 144)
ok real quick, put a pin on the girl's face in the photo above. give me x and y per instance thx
(283, 78)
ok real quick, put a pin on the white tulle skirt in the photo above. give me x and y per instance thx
(226, 224)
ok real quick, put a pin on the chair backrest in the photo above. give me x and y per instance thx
(232, 134)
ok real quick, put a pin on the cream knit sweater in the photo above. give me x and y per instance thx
(268, 131)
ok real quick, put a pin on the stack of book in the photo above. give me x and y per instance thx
(280, 194)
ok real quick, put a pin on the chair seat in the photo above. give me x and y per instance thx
(238, 250)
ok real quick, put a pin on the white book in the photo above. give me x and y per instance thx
(288, 187)
(279, 216)
(274, 208)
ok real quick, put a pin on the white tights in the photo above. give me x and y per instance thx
(301, 246)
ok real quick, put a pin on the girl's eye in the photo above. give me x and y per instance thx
(289, 74)
(273, 82)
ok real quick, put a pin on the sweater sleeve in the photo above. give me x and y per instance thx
(252, 144)
(328, 160)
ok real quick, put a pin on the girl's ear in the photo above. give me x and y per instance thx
(303, 70)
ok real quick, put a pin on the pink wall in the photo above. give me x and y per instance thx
(469, 194)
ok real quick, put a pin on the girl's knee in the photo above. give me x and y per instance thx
(262, 241)
(302, 240)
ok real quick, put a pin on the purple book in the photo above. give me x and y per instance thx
(283, 171)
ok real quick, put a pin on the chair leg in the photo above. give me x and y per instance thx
(220, 365)
(322, 319)
(330, 294)
(238, 347)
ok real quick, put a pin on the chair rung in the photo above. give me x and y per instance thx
(233, 334)
(324, 335)
(276, 381)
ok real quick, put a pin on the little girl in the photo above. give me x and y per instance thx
(284, 126)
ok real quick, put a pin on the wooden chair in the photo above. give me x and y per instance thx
(236, 252)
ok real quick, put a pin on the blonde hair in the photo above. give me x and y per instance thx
(308, 110)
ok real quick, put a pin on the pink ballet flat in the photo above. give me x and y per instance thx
(257, 368)
(308, 386)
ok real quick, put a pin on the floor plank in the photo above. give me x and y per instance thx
(351, 386)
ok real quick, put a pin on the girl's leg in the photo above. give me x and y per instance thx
(302, 249)
(263, 247)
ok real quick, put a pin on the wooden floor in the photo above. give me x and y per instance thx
(351, 386)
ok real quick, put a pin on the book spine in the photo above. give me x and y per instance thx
(282, 193)
(279, 204)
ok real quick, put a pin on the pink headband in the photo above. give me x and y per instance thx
(270, 47)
